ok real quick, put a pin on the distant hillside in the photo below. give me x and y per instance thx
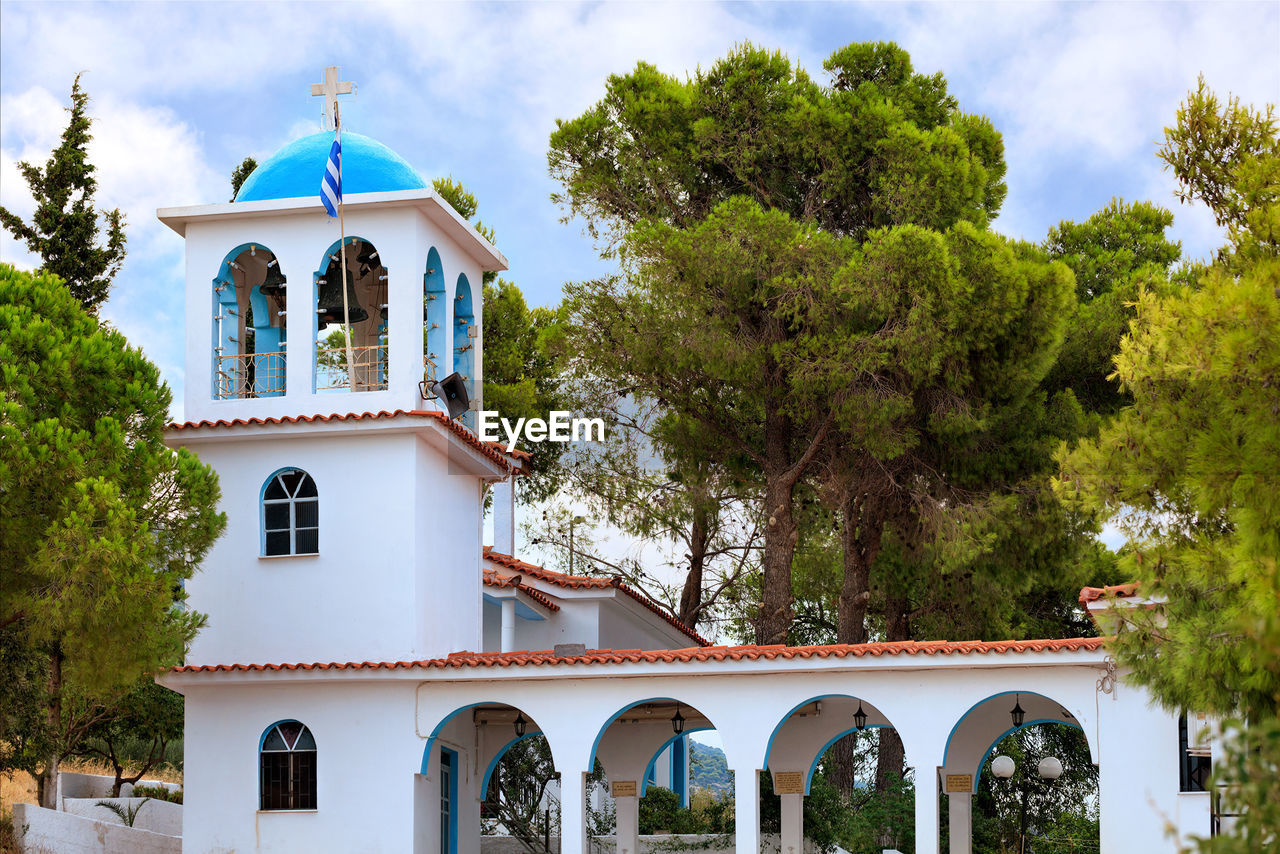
(708, 769)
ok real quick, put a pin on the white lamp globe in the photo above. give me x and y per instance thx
(1002, 767)
(1049, 768)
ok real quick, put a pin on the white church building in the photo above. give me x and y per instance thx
(368, 659)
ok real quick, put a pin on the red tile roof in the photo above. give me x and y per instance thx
(1120, 591)
(493, 579)
(547, 658)
(486, 448)
(581, 582)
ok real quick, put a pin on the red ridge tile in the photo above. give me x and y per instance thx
(542, 658)
(454, 427)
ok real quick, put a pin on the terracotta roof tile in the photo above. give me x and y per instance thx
(581, 582)
(547, 658)
(493, 579)
(1120, 591)
(485, 448)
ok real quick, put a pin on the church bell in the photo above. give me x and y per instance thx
(329, 303)
(274, 285)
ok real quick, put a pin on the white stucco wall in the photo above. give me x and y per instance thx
(397, 575)
(367, 755)
(403, 237)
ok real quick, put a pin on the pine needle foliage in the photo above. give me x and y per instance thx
(64, 230)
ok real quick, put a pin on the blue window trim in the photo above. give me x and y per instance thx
(262, 739)
(453, 799)
(262, 515)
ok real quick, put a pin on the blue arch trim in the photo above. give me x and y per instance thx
(591, 758)
(817, 757)
(653, 760)
(768, 749)
(464, 347)
(315, 296)
(227, 298)
(497, 757)
(431, 739)
(977, 771)
(263, 737)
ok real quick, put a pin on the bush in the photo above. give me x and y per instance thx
(159, 793)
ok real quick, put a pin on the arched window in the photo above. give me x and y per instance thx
(249, 336)
(290, 514)
(287, 759)
(364, 308)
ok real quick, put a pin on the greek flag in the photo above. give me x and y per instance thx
(331, 183)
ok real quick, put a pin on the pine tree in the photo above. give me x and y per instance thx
(64, 231)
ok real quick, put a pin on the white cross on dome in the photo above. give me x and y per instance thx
(331, 89)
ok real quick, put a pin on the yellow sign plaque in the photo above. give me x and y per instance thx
(623, 789)
(788, 783)
(959, 782)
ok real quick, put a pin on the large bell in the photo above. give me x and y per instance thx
(274, 285)
(329, 303)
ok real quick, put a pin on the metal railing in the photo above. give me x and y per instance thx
(370, 368)
(250, 375)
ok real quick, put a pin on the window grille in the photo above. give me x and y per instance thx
(288, 768)
(291, 514)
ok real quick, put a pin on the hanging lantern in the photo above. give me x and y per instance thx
(520, 725)
(860, 718)
(329, 301)
(1016, 713)
(677, 721)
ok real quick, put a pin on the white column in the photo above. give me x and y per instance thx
(508, 624)
(926, 809)
(746, 810)
(792, 824)
(628, 824)
(504, 516)
(573, 812)
(960, 822)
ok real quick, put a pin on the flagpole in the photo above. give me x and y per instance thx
(342, 250)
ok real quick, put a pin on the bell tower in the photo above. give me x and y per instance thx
(353, 500)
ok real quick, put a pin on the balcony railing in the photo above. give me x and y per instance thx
(250, 375)
(369, 368)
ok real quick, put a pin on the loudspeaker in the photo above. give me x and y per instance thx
(453, 391)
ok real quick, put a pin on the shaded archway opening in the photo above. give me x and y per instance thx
(487, 771)
(435, 311)
(366, 311)
(248, 325)
(1030, 805)
(466, 338)
(1029, 811)
(657, 779)
(822, 784)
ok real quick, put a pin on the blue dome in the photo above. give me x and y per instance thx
(368, 166)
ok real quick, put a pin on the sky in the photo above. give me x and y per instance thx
(182, 92)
